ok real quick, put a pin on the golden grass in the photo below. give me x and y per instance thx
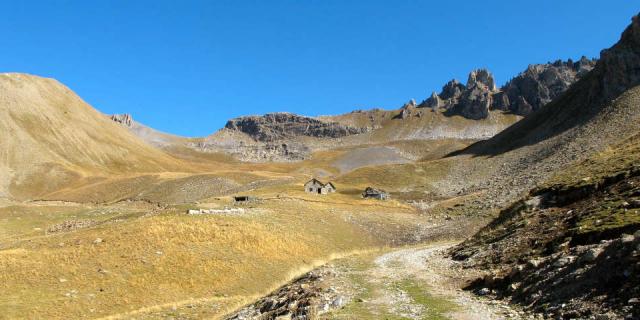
(145, 262)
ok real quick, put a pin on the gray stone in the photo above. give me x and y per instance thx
(591, 255)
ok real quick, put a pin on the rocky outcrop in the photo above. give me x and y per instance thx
(540, 84)
(408, 110)
(476, 99)
(527, 92)
(124, 119)
(472, 101)
(278, 126)
(433, 102)
(307, 297)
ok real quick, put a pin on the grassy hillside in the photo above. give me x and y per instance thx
(52, 138)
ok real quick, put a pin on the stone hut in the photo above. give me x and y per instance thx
(316, 186)
(374, 193)
(313, 186)
(328, 188)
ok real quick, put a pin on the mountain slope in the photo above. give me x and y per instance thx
(570, 247)
(599, 110)
(615, 72)
(51, 138)
(149, 135)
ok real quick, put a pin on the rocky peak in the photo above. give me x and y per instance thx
(527, 92)
(481, 78)
(471, 101)
(539, 84)
(124, 119)
(433, 102)
(279, 126)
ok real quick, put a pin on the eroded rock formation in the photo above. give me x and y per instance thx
(527, 92)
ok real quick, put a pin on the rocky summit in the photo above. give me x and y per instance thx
(282, 125)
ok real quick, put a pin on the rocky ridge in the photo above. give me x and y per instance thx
(527, 92)
(540, 84)
(279, 126)
(594, 113)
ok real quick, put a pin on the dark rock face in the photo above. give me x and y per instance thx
(541, 83)
(278, 126)
(619, 66)
(527, 92)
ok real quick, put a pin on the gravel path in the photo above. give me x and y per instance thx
(410, 283)
(427, 266)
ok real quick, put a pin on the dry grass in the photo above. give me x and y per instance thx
(608, 162)
(164, 259)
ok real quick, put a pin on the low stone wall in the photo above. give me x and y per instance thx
(216, 211)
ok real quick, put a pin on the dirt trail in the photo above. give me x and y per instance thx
(410, 283)
(418, 283)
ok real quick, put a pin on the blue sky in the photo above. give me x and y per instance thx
(186, 67)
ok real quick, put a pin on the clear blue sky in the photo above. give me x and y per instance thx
(186, 67)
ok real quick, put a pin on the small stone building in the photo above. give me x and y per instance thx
(316, 186)
(374, 193)
(328, 188)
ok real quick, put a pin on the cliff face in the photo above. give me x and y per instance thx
(527, 92)
(279, 126)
